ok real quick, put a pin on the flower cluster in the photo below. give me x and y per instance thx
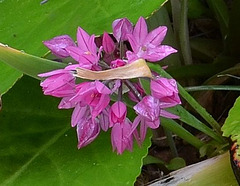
(91, 100)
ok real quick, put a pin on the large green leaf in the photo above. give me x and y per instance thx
(38, 146)
(25, 24)
(231, 126)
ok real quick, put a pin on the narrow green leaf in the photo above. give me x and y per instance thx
(28, 64)
(220, 11)
(8, 77)
(38, 146)
(233, 39)
(181, 132)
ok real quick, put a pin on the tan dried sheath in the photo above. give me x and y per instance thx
(136, 69)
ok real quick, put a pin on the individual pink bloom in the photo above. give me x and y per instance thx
(104, 119)
(117, 63)
(58, 45)
(108, 43)
(140, 90)
(95, 94)
(86, 51)
(148, 45)
(122, 27)
(118, 112)
(60, 83)
(140, 137)
(166, 91)
(79, 114)
(149, 109)
(121, 137)
(87, 131)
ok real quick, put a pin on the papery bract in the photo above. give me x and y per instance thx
(122, 27)
(58, 45)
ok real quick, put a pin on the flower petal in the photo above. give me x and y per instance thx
(83, 39)
(156, 36)
(108, 44)
(58, 44)
(140, 31)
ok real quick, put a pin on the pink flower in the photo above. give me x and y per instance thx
(148, 45)
(149, 109)
(122, 27)
(117, 113)
(95, 94)
(86, 52)
(166, 91)
(140, 90)
(87, 131)
(118, 63)
(108, 44)
(79, 114)
(58, 45)
(104, 119)
(60, 83)
(121, 137)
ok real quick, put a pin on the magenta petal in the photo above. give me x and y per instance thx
(75, 52)
(140, 31)
(133, 42)
(104, 119)
(51, 73)
(118, 113)
(91, 45)
(143, 131)
(156, 36)
(83, 39)
(58, 44)
(158, 53)
(152, 124)
(108, 44)
(102, 104)
(119, 109)
(166, 114)
(120, 137)
(101, 88)
(148, 108)
(79, 114)
(66, 103)
(122, 27)
(87, 131)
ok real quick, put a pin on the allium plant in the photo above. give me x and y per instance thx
(106, 63)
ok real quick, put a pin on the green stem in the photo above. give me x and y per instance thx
(181, 132)
(184, 35)
(212, 87)
(171, 142)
